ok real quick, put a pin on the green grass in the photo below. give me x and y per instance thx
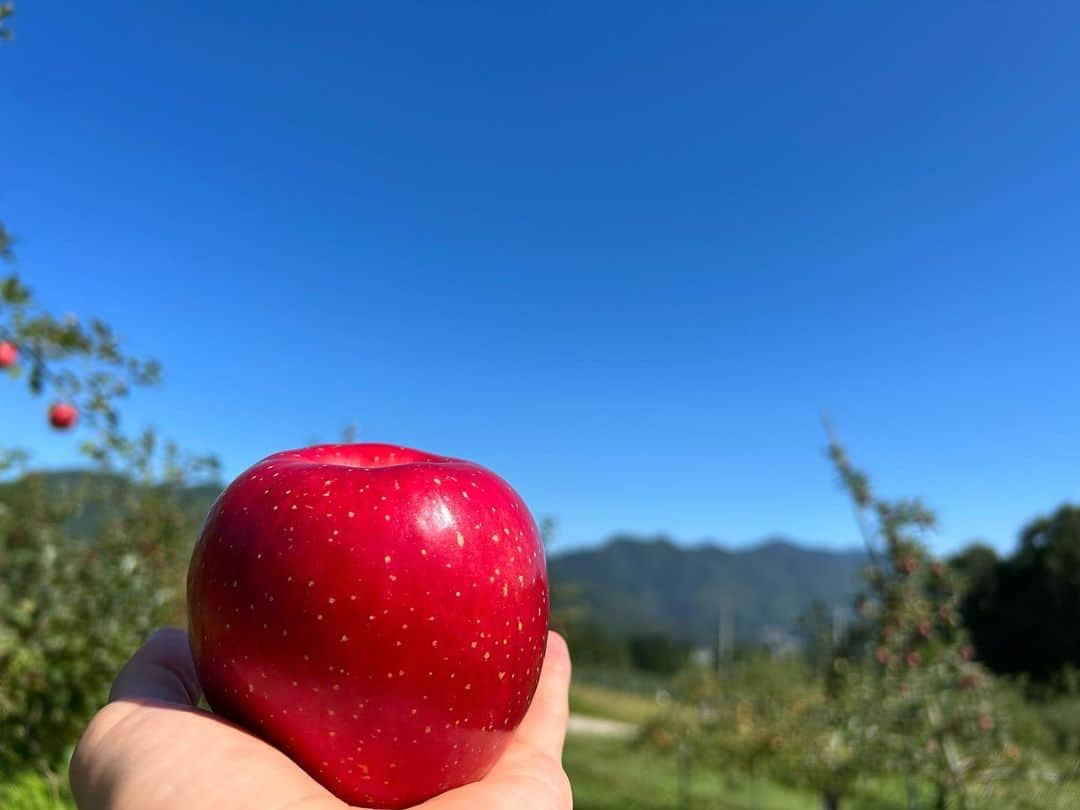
(601, 701)
(33, 791)
(610, 775)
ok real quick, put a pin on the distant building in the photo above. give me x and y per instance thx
(702, 656)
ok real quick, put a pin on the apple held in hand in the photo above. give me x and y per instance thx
(377, 613)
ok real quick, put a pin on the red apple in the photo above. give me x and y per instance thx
(8, 354)
(62, 415)
(377, 613)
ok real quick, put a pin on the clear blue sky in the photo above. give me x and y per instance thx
(621, 254)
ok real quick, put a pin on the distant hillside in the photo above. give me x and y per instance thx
(99, 495)
(649, 584)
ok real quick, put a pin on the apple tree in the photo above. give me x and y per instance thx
(936, 711)
(90, 561)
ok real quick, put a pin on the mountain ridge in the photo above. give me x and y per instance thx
(648, 584)
(767, 541)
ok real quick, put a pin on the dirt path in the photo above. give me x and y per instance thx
(584, 725)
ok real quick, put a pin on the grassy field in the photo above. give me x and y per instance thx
(31, 791)
(601, 701)
(610, 775)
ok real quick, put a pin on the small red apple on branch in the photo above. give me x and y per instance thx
(378, 613)
(9, 354)
(63, 415)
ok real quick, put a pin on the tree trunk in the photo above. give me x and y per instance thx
(830, 800)
(942, 801)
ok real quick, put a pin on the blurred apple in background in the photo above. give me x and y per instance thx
(9, 354)
(63, 415)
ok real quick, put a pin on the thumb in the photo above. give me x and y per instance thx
(544, 725)
(162, 669)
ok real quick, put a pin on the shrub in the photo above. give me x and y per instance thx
(73, 609)
(89, 563)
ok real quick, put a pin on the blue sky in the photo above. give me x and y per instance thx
(621, 254)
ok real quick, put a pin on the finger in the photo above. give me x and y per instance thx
(544, 726)
(162, 669)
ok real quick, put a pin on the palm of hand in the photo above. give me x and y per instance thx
(151, 748)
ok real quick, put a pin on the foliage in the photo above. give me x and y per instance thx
(74, 361)
(770, 718)
(818, 629)
(6, 11)
(974, 565)
(656, 652)
(28, 790)
(55, 665)
(741, 717)
(1022, 610)
(590, 644)
(899, 694)
(936, 712)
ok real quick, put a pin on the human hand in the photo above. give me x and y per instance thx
(152, 748)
